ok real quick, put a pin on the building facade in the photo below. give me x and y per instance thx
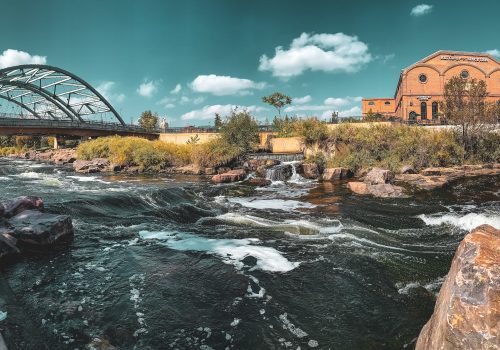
(420, 87)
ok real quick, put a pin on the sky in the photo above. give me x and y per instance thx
(189, 59)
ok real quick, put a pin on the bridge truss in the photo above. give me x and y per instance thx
(49, 93)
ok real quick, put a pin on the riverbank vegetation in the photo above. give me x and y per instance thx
(238, 136)
(16, 144)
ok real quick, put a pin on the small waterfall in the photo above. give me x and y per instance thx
(286, 171)
(277, 156)
(280, 172)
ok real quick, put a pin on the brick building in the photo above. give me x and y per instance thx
(421, 85)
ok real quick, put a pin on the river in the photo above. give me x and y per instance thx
(174, 262)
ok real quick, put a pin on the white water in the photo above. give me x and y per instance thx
(467, 222)
(232, 251)
(275, 204)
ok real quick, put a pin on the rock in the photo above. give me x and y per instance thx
(408, 170)
(230, 176)
(439, 171)
(467, 311)
(258, 181)
(249, 260)
(379, 176)
(358, 187)
(310, 170)
(379, 190)
(271, 162)
(8, 243)
(386, 191)
(332, 174)
(17, 205)
(37, 228)
(190, 169)
(91, 166)
(261, 171)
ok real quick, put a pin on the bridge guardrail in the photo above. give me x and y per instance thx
(60, 124)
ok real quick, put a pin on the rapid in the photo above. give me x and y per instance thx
(175, 262)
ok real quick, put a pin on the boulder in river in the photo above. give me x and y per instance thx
(358, 187)
(332, 174)
(258, 181)
(378, 176)
(8, 243)
(467, 311)
(12, 207)
(36, 228)
(91, 166)
(310, 170)
(230, 176)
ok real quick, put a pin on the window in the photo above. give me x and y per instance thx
(387, 103)
(412, 116)
(464, 74)
(371, 103)
(422, 78)
(423, 110)
(435, 110)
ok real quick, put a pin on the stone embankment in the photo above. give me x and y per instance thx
(24, 226)
(467, 311)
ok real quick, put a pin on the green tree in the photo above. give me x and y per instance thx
(277, 100)
(465, 105)
(217, 121)
(241, 130)
(148, 120)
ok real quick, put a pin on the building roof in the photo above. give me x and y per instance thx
(446, 52)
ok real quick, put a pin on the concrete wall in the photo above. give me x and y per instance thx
(287, 145)
(183, 138)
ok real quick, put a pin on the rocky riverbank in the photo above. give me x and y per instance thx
(375, 181)
(467, 311)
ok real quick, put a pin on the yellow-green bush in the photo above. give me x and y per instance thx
(393, 146)
(135, 151)
(5, 151)
(215, 153)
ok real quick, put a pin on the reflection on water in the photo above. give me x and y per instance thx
(164, 262)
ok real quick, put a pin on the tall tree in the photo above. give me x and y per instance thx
(241, 130)
(465, 105)
(278, 100)
(148, 120)
(217, 121)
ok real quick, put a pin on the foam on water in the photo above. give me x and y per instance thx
(467, 222)
(274, 204)
(29, 175)
(87, 179)
(232, 251)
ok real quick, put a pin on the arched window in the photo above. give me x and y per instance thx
(387, 103)
(423, 110)
(435, 110)
(412, 116)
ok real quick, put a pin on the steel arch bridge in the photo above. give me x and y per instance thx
(49, 93)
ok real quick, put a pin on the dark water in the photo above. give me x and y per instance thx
(174, 262)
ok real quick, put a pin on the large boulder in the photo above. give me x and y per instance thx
(310, 170)
(230, 176)
(386, 191)
(378, 176)
(358, 187)
(11, 207)
(332, 174)
(467, 311)
(258, 181)
(91, 166)
(36, 228)
(7, 243)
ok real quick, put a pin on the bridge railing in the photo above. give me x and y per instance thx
(63, 124)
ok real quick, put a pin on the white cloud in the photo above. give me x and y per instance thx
(317, 52)
(166, 102)
(328, 104)
(12, 57)
(421, 10)
(221, 85)
(494, 53)
(208, 112)
(148, 88)
(106, 88)
(176, 89)
(351, 112)
(302, 100)
(388, 58)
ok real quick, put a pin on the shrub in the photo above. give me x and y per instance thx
(216, 152)
(240, 130)
(311, 130)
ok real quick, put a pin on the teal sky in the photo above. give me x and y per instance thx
(199, 44)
